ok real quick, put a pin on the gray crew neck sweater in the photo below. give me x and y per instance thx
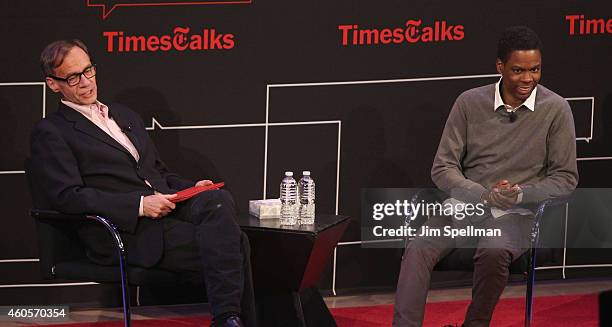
(480, 146)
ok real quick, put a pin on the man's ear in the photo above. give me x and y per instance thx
(499, 65)
(52, 84)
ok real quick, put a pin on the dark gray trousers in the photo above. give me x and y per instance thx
(202, 236)
(491, 262)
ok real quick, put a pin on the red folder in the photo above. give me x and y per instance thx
(187, 193)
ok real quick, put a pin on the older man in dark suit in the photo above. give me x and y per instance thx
(89, 157)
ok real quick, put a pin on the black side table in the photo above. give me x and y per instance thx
(287, 263)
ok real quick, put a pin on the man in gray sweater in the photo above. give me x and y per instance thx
(506, 146)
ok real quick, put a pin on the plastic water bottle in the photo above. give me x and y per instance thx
(306, 188)
(288, 197)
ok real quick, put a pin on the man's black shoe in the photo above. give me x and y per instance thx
(232, 321)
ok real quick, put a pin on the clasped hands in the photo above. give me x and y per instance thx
(159, 205)
(502, 195)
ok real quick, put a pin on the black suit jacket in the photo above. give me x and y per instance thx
(78, 168)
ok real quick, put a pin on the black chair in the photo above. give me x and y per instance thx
(63, 256)
(462, 258)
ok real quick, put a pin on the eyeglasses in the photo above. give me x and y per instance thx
(75, 78)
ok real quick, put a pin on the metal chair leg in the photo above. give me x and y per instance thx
(530, 283)
(122, 254)
(297, 304)
(125, 290)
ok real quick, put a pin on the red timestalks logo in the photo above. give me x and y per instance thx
(181, 40)
(109, 5)
(413, 32)
(581, 26)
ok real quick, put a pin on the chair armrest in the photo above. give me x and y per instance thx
(541, 208)
(553, 202)
(548, 203)
(51, 216)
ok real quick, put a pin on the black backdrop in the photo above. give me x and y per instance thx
(280, 91)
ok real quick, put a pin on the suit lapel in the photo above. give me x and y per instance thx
(126, 127)
(84, 125)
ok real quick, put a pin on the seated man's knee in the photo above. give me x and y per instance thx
(225, 198)
(419, 252)
(213, 205)
(493, 256)
(219, 195)
(214, 198)
(223, 195)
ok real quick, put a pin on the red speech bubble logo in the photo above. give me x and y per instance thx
(109, 5)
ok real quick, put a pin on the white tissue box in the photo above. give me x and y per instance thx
(265, 209)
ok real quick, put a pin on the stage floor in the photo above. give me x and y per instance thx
(514, 290)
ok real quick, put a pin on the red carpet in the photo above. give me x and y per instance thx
(557, 311)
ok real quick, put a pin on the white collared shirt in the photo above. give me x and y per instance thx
(499, 102)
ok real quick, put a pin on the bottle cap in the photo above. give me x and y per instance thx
(306, 173)
(289, 173)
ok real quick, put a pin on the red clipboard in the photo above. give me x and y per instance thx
(187, 193)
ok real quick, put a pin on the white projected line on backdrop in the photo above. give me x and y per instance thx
(592, 99)
(44, 100)
(156, 125)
